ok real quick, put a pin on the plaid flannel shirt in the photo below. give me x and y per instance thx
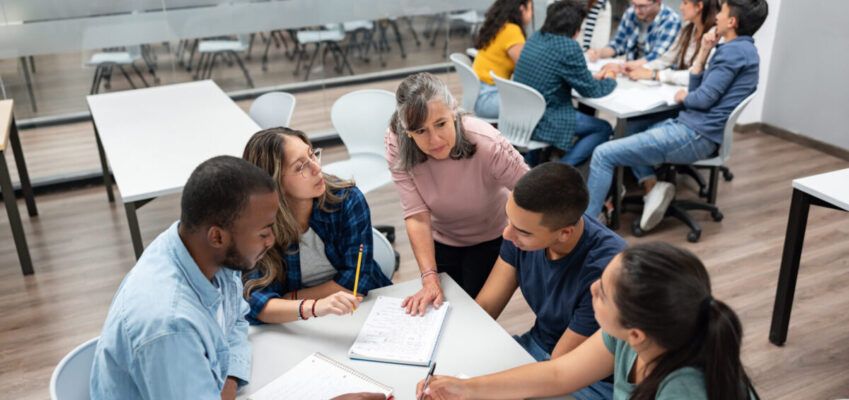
(342, 232)
(554, 65)
(661, 34)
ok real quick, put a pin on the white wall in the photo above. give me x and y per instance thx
(764, 41)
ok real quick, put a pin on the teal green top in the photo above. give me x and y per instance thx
(684, 383)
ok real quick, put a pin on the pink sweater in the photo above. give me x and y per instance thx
(465, 197)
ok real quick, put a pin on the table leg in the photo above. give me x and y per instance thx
(14, 217)
(621, 128)
(793, 240)
(23, 175)
(135, 232)
(28, 80)
(104, 164)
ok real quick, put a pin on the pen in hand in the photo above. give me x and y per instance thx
(427, 379)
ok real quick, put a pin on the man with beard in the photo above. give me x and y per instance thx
(176, 327)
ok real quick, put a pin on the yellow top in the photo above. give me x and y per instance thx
(495, 58)
(5, 122)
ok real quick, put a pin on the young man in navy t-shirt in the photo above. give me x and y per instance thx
(553, 253)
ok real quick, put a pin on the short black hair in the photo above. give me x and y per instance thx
(219, 190)
(750, 15)
(564, 17)
(555, 190)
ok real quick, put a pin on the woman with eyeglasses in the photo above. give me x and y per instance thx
(453, 173)
(321, 222)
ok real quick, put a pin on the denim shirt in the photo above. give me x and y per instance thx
(163, 338)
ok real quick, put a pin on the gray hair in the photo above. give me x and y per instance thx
(411, 100)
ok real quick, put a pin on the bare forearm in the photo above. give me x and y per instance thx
(278, 311)
(531, 380)
(568, 342)
(606, 52)
(421, 240)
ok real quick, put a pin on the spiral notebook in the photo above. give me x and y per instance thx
(391, 335)
(319, 377)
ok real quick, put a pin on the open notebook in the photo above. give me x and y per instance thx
(319, 377)
(390, 335)
(641, 98)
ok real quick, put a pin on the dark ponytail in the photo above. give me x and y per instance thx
(665, 292)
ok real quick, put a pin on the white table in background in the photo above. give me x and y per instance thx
(830, 190)
(623, 114)
(471, 343)
(154, 138)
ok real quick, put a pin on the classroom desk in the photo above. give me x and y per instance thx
(622, 114)
(154, 138)
(9, 138)
(825, 190)
(471, 343)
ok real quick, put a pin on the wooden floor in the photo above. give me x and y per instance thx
(81, 250)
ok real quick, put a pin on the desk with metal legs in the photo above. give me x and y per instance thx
(9, 138)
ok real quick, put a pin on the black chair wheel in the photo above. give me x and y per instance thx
(636, 230)
(727, 175)
(717, 215)
(694, 236)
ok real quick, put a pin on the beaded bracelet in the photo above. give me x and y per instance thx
(313, 308)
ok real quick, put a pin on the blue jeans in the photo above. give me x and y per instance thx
(488, 103)
(666, 142)
(597, 391)
(590, 132)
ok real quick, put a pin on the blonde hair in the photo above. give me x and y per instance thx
(266, 150)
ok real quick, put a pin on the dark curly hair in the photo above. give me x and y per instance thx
(500, 13)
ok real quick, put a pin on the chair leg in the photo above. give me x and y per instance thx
(192, 51)
(713, 187)
(244, 70)
(681, 214)
(312, 60)
(139, 73)
(342, 54)
(693, 173)
(95, 82)
(265, 53)
(250, 46)
(394, 26)
(726, 173)
(28, 80)
(127, 76)
(413, 30)
(211, 65)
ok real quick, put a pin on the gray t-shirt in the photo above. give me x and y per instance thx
(641, 40)
(685, 383)
(315, 267)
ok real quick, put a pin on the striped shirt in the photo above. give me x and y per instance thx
(589, 23)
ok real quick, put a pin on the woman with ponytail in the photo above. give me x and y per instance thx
(499, 43)
(663, 336)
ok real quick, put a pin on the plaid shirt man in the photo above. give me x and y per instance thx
(342, 232)
(660, 35)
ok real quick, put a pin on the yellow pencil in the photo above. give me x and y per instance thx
(357, 276)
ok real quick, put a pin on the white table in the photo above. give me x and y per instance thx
(154, 138)
(829, 190)
(471, 343)
(622, 114)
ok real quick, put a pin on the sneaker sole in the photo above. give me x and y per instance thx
(658, 214)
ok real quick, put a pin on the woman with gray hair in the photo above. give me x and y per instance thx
(453, 173)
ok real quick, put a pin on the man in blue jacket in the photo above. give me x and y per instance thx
(697, 132)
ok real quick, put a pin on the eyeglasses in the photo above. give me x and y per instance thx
(302, 167)
(643, 7)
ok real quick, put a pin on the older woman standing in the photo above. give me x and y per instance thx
(453, 173)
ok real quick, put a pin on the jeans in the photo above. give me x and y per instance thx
(590, 132)
(488, 103)
(666, 142)
(597, 391)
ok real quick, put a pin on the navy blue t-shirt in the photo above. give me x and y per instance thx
(558, 291)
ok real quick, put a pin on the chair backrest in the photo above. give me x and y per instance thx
(728, 135)
(273, 109)
(361, 118)
(384, 254)
(521, 109)
(70, 380)
(468, 80)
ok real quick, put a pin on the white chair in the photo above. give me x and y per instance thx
(521, 109)
(213, 49)
(331, 39)
(469, 82)
(105, 61)
(361, 119)
(384, 254)
(273, 109)
(70, 380)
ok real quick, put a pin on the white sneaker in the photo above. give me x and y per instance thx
(655, 204)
